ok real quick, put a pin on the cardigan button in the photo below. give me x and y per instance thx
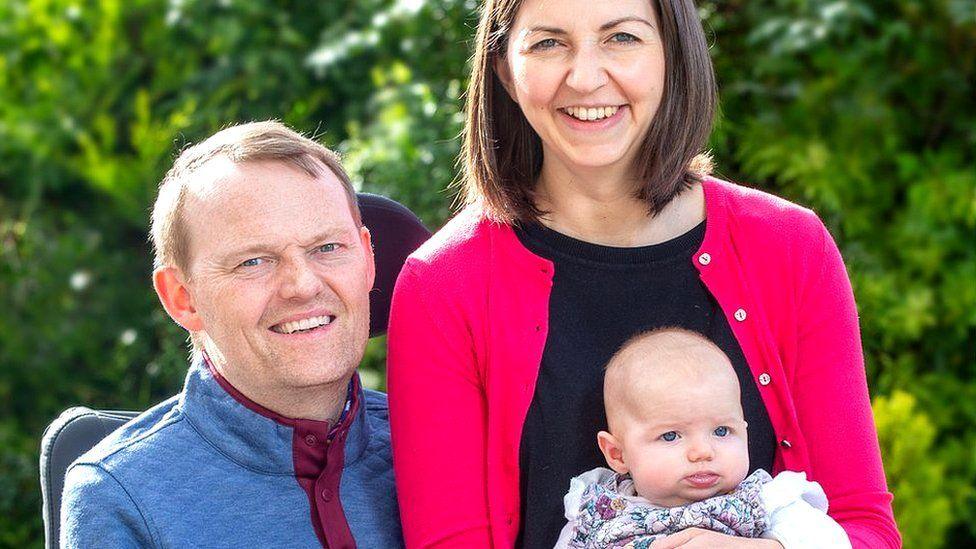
(327, 494)
(705, 258)
(310, 440)
(785, 444)
(740, 315)
(764, 379)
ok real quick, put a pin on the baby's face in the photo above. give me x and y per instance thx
(684, 442)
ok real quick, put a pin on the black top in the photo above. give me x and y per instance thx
(601, 297)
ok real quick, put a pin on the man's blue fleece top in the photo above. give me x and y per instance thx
(206, 469)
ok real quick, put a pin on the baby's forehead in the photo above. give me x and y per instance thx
(678, 406)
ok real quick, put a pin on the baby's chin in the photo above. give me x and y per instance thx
(687, 496)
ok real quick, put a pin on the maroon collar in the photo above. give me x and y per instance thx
(346, 418)
(318, 455)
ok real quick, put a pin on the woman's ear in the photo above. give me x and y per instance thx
(504, 74)
(612, 451)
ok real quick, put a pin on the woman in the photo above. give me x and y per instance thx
(591, 218)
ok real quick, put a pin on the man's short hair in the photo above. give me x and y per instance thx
(252, 142)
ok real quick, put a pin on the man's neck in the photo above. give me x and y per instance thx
(323, 402)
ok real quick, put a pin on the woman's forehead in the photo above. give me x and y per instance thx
(578, 15)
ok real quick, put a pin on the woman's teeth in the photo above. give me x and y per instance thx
(304, 324)
(591, 113)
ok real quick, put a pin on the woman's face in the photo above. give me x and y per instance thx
(588, 75)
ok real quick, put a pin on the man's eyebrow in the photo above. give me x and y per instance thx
(264, 248)
(611, 24)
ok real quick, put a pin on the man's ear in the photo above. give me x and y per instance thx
(367, 241)
(176, 299)
(504, 74)
(612, 451)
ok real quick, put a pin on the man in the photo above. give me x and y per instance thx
(262, 257)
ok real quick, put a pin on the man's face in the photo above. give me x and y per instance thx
(279, 274)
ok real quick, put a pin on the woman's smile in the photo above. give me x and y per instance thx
(593, 119)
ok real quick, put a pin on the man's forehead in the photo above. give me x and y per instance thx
(263, 200)
(221, 180)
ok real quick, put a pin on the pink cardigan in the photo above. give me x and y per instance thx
(468, 327)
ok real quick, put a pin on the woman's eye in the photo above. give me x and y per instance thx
(546, 44)
(623, 37)
(253, 262)
(670, 436)
(721, 431)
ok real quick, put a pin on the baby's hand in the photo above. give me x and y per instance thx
(696, 538)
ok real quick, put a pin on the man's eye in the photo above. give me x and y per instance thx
(670, 436)
(253, 262)
(326, 248)
(623, 38)
(721, 431)
(546, 44)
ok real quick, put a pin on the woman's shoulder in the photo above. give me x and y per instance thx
(755, 214)
(459, 249)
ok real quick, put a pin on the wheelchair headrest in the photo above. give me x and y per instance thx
(396, 233)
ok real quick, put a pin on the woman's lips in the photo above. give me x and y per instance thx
(703, 480)
(593, 125)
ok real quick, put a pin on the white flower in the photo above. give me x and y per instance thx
(79, 280)
(128, 337)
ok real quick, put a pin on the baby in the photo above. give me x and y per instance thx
(678, 449)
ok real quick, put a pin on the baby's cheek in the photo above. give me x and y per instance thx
(741, 455)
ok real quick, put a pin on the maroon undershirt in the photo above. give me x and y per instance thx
(318, 450)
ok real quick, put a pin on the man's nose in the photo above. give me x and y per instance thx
(299, 280)
(587, 70)
(700, 449)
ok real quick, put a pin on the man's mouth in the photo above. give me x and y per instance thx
(303, 325)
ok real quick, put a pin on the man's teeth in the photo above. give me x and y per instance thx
(592, 113)
(304, 324)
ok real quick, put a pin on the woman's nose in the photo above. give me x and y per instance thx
(587, 71)
(299, 281)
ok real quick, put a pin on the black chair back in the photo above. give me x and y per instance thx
(396, 232)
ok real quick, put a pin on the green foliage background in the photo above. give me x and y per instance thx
(861, 109)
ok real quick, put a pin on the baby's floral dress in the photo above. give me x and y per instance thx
(604, 512)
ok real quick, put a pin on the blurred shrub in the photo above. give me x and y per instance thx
(924, 507)
(861, 109)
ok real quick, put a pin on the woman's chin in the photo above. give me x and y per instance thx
(593, 158)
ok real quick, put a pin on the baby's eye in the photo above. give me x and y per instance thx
(670, 436)
(721, 431)
(623, 38)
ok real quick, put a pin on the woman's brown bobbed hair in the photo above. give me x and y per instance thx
(502, 154)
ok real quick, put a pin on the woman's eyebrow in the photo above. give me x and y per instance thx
(542, 28)
(603, 27)
(615, 22)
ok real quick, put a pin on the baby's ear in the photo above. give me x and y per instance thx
(613, 451)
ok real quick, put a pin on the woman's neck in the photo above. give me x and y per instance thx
(599, 206)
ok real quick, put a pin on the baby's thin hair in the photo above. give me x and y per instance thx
(663, 332)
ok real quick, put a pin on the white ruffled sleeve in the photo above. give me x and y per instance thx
(573, 498)
(797, 510)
